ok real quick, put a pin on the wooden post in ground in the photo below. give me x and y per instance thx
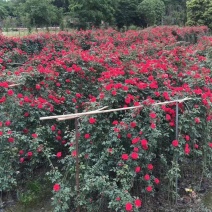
(77, 161)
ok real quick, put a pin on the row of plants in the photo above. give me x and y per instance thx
(126, 158)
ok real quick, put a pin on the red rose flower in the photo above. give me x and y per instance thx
(149, 188)
(78, 95)
(34, 135)
(58, 137)
(210, 144)
(25, 131)
(135, 140)
(133, 124)
(138, 203)
(150, 166)
(187, 149)
(115, 122)
(10, 92)
(196, 146)
(11, 140)
(157, 181)
(59, 155)
(197, 120)
(153, 125)
(137, 169)
(136, 149)
(19, 95)
(175, 143)
(87, 136)
(146, 177)
(37, 86)
(101, 95)
(144, 144)
(129, 135)
(21, 152)
(9, 132)
(168, 117)
(110, 150)
(7, 123)
(152, 115)
(128, 206)
(92, 120)
(124, 156)
(21, 160)
(56, 187)
(53, 128)
(187, 137)
(74, 153)
(113, 93)
(26, 114)
(118, 198)
(134, 155)
(29, 154)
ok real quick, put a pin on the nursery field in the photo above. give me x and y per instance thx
(147, 144)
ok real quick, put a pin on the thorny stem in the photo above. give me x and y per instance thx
(50, 162)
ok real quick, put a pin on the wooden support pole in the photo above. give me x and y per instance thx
(68, 115)
(13, 85)
(119, 109)
(59, 117)
(73, 116)
(77, 161)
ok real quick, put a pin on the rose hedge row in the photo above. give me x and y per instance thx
(125, 155)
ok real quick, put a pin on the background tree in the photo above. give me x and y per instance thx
(64, 4)
(175, 13)
(152, 11)
(199, 12)
(3, 10)
(127, 13)
(39, 13)
(93, 12)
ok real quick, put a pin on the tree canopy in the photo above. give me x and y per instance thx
(39, 13)
(93, 11)
(152, 11)
(199, 12)
(120, 13)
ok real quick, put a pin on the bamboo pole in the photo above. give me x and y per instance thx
(73, 116)
(68, 115)
(13, 85)
(59, 117)
(119, 109)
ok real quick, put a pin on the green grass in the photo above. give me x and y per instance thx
(15, 33)
(25, 33)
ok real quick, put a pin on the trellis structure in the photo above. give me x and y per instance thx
(100, 111)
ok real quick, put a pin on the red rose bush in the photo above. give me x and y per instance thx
(123, 155)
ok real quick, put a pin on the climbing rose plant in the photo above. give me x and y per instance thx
(123, 156)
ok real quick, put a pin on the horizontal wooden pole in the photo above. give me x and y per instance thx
(71, 116)
(68, 115)
(13, 85)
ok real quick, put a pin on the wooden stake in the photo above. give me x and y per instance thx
(77, 161)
